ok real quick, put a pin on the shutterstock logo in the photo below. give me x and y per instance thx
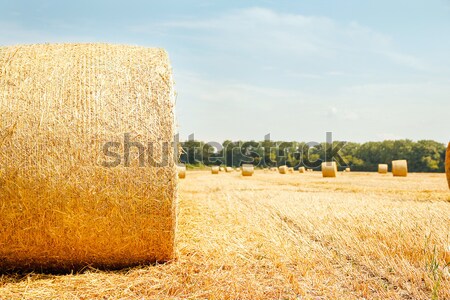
(266, 153)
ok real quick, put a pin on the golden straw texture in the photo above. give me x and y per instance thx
(400, 168)
(329, 169)
(60, 208)
(301, 170)
(382, 168)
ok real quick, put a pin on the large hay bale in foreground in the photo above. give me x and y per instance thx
(329, 169)
(215, 169)
(248, 170)
(400, 168)
(181, 171)
(69, 199)
(301, 170)
(447, 164)
(283, 169)
(382, 168)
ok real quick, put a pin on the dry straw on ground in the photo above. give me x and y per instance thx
(283, 169)
(400, 168)
(60, 208)
(329, 169)
(215, 169)
(447, 164)
(301, 170)
(248, 170)
(181, 171)
(382, 168)
(360, 236)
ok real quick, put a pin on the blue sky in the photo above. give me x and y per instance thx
(365, 70)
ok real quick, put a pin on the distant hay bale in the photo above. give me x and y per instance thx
(329, 169)
(66, 204)
(248, 170)
(181, 171)
(215, 169)
(229, 169)
(283, 169)
(447, 165)
(400, 168)
(347, 169)
(222, 169)
(274, 169)
(382, 168)
(291, 170)
(238, 169)
(301, 170)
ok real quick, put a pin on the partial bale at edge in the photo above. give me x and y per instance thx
(400, 168)
(382, 168)
(68, 101)
(329, 169)
(447, 166)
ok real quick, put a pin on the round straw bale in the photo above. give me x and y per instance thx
(301, 170)
(181, 171)
(447, 165)
(229, 169)
(382, 168)
(222, 169)
(283, 169)
(215, 169)
(347, 169)
(329, 169)
(400, 168)
(247, 170)
(72, 195)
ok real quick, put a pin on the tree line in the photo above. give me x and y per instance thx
(422, 156)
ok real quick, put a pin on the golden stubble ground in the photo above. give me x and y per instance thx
(292, 236)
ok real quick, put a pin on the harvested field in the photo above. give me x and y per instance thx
(269, 236)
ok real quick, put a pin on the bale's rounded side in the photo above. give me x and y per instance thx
(248, 170)
(70, 111)
(229, 169)
(301, 170)
(400, 168)
(382, 168)
(283, 169)
(329, 169)
(447, 164)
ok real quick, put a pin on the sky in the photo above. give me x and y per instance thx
(363, 70)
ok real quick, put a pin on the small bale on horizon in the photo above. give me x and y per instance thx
(283, 169)
(329, 169)
(215, 169)
(301, 170)
(382, 168)
(248, 170)
(400, 168)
